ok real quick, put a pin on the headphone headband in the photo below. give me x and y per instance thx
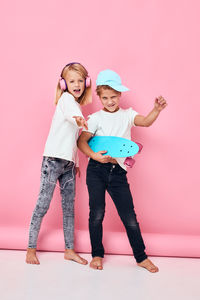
(67, 65)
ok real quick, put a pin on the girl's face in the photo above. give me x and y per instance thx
(110, 100)
(75, 83)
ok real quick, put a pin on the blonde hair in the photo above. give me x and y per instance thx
(99, 89)
(86, 97)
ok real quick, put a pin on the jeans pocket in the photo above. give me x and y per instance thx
(121, 170)
(68, 174)
(50, 169)
(94, 164)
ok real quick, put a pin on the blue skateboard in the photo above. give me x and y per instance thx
(115, 146)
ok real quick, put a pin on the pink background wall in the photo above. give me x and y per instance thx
(154, 45)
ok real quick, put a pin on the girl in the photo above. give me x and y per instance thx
(60, 160)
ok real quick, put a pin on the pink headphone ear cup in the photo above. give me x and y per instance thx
(87, 82)
(63, 84)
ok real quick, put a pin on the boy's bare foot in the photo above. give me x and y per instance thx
(147, 264)
(97, 263)
(31, 257)
(70, 254)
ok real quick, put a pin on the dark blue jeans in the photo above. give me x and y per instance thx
(111, 178)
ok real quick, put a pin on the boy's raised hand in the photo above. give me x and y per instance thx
(81, 122)
(160, 103)
(100, 157)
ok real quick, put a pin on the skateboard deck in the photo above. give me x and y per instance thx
(115, 146)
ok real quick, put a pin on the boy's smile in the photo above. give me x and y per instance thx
(110, 100)
(75, 84)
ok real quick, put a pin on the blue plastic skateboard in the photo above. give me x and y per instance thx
(115, 146)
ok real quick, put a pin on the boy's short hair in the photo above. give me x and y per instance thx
(99, 89)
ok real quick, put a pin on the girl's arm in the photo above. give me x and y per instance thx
(71, 110)
(85, 148)
(159, 105)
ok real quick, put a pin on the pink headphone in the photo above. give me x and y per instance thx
(63, 83)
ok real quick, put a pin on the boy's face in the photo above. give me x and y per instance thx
(75, 83)
(110, 100)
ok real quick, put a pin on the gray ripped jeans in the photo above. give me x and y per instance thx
(54, 169)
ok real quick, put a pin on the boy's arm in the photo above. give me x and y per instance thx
(159, 105)
(85, 148)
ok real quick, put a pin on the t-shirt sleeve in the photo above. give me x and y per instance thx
(132, 115)
(92, 124)
(69, 108)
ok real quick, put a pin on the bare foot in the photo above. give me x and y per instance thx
(147, 264)
(97, 263)
(70, 254)
(31, 257)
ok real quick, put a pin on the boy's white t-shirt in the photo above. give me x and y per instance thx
(119, 124)
(63, 134)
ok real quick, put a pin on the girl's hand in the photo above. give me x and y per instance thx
(101, 158)
(77, 171)
(160, 103)
(81, 122)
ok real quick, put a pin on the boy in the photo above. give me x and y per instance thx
(106, 173)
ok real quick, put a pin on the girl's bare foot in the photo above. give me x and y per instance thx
(97, 263)
(147, 264)
(70, 254)
(31, 257)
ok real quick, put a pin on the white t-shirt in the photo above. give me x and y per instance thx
(119, 124)
(63, 134)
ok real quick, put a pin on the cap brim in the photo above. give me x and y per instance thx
(119, 88)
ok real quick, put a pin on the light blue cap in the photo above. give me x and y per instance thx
(112, 79)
